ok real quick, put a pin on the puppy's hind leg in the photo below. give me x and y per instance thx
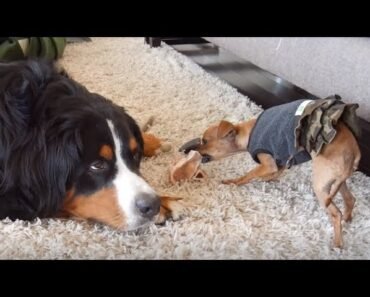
(337, 161)
(349, 201)
(326, 185)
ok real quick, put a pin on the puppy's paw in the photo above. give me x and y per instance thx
(338, 243)
(172, 208)
(230, 181)
(347, 217)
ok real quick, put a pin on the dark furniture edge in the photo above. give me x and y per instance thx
(156, 41)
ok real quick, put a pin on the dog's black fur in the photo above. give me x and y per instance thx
(50, 130)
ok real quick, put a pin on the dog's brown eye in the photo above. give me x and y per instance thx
(137, 156)
(98, 165)
(204, 141)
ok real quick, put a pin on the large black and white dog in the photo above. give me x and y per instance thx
(65, 151)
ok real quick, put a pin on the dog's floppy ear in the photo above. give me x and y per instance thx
(226, 129)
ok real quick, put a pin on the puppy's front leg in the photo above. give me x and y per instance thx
(266, 170)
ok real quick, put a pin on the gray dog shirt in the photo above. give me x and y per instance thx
(273, 134)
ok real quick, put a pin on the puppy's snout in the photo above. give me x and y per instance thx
(147, 205)
(206, 158)
(191, 145)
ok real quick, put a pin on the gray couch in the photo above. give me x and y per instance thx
(322, 66)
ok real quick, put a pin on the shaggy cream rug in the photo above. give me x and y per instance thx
(276, 220)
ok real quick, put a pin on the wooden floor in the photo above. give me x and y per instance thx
(263, 87)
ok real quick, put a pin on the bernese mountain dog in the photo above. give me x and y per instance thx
(68, 152)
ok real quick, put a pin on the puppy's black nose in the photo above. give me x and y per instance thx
(147, 204)
(206, 158)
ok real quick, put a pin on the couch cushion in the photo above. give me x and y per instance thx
(322, 66)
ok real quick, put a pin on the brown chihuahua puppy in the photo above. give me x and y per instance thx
(271, 143)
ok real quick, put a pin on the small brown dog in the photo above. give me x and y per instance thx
(335, 161)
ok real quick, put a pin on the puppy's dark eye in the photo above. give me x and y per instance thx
(204, 141)
(98, 165)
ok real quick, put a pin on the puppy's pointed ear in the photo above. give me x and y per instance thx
(226, 129)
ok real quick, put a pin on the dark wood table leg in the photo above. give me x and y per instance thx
(153, 41)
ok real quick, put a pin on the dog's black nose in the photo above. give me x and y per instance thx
(206, 158)
(147, 204)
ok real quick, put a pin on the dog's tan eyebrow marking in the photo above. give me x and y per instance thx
(133, 144)
(106, 152)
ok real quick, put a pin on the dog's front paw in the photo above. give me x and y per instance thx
(172, 208)
(152, 145)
